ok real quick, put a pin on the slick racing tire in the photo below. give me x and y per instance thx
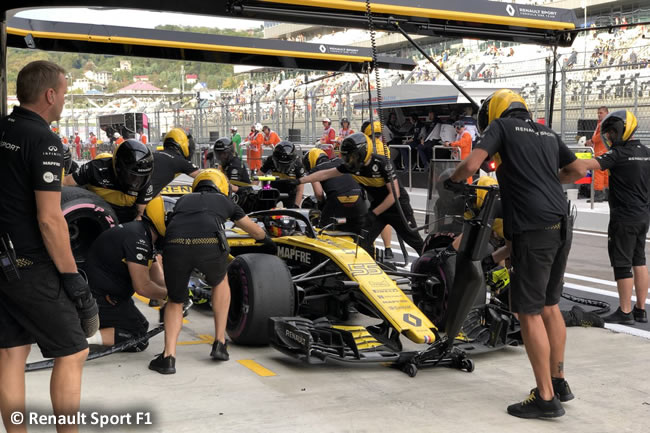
(260, 288)
(87, 216)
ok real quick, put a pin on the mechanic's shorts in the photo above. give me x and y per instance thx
(36, 309)
(180, 260)
(626, 243)
(124, 316)
(539, 258)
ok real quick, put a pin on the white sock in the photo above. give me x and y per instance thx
(96, 339)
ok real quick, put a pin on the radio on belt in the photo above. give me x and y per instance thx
(8, 259)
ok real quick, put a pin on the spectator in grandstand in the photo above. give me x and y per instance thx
(601, 178)
(271, 138)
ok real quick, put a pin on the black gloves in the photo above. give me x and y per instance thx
(457, 187)
(488, 263)
(76, 287)
(268, 246)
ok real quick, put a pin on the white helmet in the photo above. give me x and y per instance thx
(116, 135)
(233, 128)
(258, 127)
(327, 119)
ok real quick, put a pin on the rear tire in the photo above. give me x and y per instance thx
(87, 215)
(261, 287)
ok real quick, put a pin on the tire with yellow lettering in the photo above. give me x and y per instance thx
(261, 287)
(87, 216)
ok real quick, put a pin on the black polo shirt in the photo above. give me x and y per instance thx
(201, 214)
(31, 159)
(99, 177)
(166, 166)
(629, 170)
(237, 172)
(374, 176)
(528, 157)
(106, 265)
(342, 191)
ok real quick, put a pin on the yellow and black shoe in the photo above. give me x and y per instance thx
(535, 407)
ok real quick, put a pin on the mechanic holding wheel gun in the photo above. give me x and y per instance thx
(532, 162)
(35, 254)
(628, 162)
(196, 239)
(121, 262)
(287, 167)
(377, 176)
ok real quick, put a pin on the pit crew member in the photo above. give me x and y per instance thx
(285, 165)
(174, 159)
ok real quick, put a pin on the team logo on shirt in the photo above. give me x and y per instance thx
(52, 148)
(139, 256)
(48, 177)
(150, 189)
(375, 167)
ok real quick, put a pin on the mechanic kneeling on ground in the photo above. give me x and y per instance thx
(43, 299)
(532, 161)
(174, 159)
(338, 197)
(285, 165)
(628, 163)
(195, 239)
(375, 173)
(120, 263)
(123, 179)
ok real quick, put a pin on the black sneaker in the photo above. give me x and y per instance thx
(163, 365)
(579, 317)
(219, 351)
(535, 407)
(388, 254)
(640, 315)
(620, 317)
(561, 389)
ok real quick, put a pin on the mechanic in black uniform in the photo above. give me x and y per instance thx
(69, 165)
(174, 159)
(628, 162)
(375, 173)
(121, 262)
(36, 260)
(195, 239)
(532, 161)
(338, 197)
(285, 164)
(236, 172)
(123, 180)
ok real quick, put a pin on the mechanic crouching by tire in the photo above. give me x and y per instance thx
(338, 197)
(174, 159)
(532, 161)
(120, 263)
(35, 254)
(285, 165)
(123, 179)
(195, 239)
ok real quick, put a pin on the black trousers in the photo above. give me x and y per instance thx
(392, 217)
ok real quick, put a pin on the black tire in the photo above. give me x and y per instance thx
(87, 216)
(261, 287)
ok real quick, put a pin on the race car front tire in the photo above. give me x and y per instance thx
(87, 216)
(261, 287)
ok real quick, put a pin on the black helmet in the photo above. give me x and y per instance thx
(356, 150)
(133, 165)
(223, 149)
(284, 156)
(617, 128)
(67, 158)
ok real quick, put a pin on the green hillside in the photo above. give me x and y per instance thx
(165, 74)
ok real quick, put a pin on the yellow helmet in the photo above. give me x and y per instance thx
(155, 214)
(376, 125)
(310, 160)
(497, 105)
(618, 127)
(104, 155)
(176, 139)
(211, 178)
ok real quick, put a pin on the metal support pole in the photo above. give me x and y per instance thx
(563, 106)
(547, 89)
(307, 114)
(583, 99)
(3, 65)
(636, 95)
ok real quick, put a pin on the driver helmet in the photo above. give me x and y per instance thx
(499, 104)
(223, 150)
(284, 156)
(281, 225)
(178, 141)
(133, 165)
(67, 158)
(356, 150)
(313, 158)
(212, 180)
(617, 128)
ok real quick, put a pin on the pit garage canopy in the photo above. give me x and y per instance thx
(165, 44)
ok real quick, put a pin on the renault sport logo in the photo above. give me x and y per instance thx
(511, 10)
(322, 49)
